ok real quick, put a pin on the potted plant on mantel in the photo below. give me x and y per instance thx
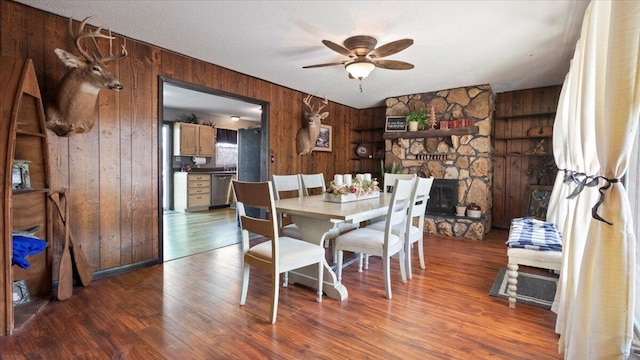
(417, 118)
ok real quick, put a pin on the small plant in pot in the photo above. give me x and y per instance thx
(417, 119)
(461, 208)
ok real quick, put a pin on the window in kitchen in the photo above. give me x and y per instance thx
(226, 148)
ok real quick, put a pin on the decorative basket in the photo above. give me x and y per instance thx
(342, 198)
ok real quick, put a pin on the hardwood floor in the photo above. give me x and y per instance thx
(188, 309)
(189, 233)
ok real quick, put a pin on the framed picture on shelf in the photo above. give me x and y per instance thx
(20, 179)
(325, 139)
(20, 293)
(537, 201)
(396, 124)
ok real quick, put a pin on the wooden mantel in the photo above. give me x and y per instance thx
(470, 130)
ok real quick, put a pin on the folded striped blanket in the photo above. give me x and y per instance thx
(530, 233)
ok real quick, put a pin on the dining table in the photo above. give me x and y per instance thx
(314, 216)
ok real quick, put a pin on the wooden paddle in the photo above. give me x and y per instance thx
(85, 271)
(65, 274)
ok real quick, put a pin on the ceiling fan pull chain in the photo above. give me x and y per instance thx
(360, 81)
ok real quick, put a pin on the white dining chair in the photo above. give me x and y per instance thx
(381, 243)
(387, 187)
(315, 184)
(286, 186)
(277, 255)
(414, 226)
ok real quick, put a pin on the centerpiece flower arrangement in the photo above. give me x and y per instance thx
(359, 186)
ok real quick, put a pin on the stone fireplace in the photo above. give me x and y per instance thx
(462, 162)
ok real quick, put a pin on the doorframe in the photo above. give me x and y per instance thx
(264, 139)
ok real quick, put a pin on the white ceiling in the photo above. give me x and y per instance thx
(200, 102)
(510, 45)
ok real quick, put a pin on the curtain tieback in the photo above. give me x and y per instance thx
(582, 180)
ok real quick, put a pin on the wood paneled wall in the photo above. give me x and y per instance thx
(112, 172)
(516, 112)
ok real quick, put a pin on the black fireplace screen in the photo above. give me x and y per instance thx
(443, 197)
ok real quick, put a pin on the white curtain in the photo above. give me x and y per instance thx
(595, 127)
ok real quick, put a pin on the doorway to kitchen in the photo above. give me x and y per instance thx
(211, 225)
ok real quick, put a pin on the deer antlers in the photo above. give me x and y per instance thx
(77, 93)
(307, 101)
(93, 35)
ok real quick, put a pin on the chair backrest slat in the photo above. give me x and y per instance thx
(398, 207)
(390, 180)
(287, 184)
(259, 195)
(313, 183)
(419, 199)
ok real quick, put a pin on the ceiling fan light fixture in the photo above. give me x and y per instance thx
(360, 68)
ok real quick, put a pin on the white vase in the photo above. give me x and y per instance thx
(460, 210)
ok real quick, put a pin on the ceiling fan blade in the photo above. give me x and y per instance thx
(337, 48)
(391, 48)
(393, 64)
(321, 65)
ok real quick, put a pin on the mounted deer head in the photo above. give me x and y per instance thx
(77, 93)
(307, 135)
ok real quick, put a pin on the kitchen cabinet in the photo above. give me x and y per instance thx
(191, 192)
(25, 202)
(193, 140)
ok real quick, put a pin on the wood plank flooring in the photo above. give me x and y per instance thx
(189, 233)
(188, 309)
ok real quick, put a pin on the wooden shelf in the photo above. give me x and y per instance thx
(367, 158)
(521, 155)
(368, 129)
(24, 312)
(524, 116)
(26, 191)
(368, 142)
(524, 137)
(431, 133)
(29, 133)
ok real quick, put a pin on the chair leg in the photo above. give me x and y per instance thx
(285, 281)
(275, 283)
(339, 274)
(403, 271)
(421, 253)
(386, 270)
(512, 288)
(363, 262)
(245, 284)
(407, 258)
(320, 282)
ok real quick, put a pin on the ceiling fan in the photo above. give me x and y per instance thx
(364, 56)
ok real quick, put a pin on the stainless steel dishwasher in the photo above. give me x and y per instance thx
(220, 189)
